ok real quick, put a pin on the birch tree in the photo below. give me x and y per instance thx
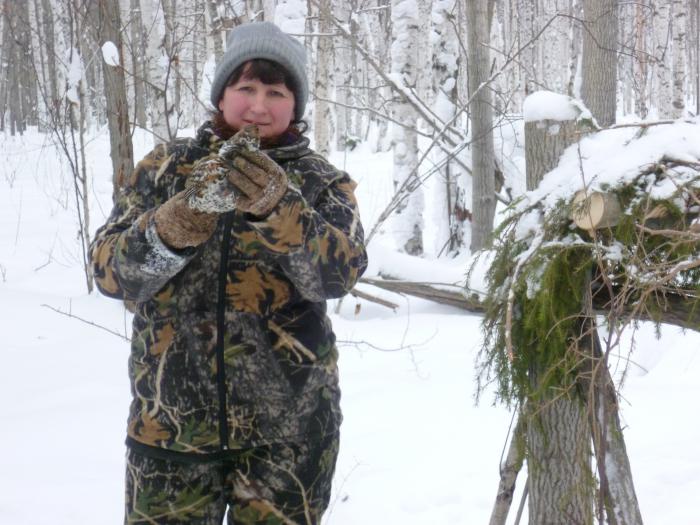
(323, 82)
(453, 185)
(407, 221)
(216, 35)
(377, 26)
(47, 46)
(640, 60)
(342, 76)
(679, 10)
(663, 92)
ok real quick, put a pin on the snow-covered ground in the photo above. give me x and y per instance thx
(415, 447)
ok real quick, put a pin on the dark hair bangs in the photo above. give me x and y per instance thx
(266, 71)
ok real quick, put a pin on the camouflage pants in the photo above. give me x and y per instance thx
(280, 484)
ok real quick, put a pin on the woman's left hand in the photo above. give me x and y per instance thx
(261, 181)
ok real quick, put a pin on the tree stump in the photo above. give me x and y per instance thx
(558, 431)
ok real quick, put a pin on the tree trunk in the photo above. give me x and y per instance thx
(12, 105)
(343, 79)
(4, 66)
(323, 115)
(138, 63)
(618, 497)
(407, 221)
(509, 474)
(216, 34)
(640, 62)
(107, 26)
(662, 55)
(28, 79)
(452, 185)
(268, 8)
(574, 49)
(159, 73)
(481, 116)
(680, 11)
(558, 433)
(560, 481)
(599, 68)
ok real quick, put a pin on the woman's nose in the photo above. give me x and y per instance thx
(257, 104)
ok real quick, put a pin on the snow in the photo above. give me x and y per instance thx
(110, 54)
(415, 447)
(404, 9)
(612, 157)
(290, 16)
(74, 75)
(547, 105)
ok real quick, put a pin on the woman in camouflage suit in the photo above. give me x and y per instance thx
(228, 246)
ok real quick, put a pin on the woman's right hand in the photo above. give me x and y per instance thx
(189, 218)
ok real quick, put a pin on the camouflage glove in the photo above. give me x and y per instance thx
(189, 218)
(259, 179)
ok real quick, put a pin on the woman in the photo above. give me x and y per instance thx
(229, 245)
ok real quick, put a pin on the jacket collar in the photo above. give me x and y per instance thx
(290, 148)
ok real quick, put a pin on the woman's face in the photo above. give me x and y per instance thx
(249, 101)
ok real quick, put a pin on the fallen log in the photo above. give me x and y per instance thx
(448, 294)
(674, 309)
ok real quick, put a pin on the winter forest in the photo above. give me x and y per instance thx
(524, 344)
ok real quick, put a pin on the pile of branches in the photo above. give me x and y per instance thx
(548, 277)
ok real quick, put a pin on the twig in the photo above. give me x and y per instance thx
(91, 323)
(367, 297)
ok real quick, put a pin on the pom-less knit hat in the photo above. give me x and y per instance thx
(263, 40)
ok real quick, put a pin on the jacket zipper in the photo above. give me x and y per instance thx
(220, 331)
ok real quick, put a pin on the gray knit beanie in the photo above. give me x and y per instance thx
(263, 40)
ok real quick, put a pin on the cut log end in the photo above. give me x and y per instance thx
(595, 210)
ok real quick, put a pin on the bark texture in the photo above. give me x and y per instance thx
(560, 482)
(323, 116)
(108, 25)
(481, 117)
(407, 221)
(680, 8)
(662, 57)
(509, 474)
(599, 68)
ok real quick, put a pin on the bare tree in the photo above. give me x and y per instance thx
(479, 15)
(138, 47)
(216, 34)
(599, 69)
(106, 24)
(19, 80)
(323, 82)
(160, 75)
(640, 61)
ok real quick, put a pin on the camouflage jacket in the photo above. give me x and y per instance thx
(231, 345)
